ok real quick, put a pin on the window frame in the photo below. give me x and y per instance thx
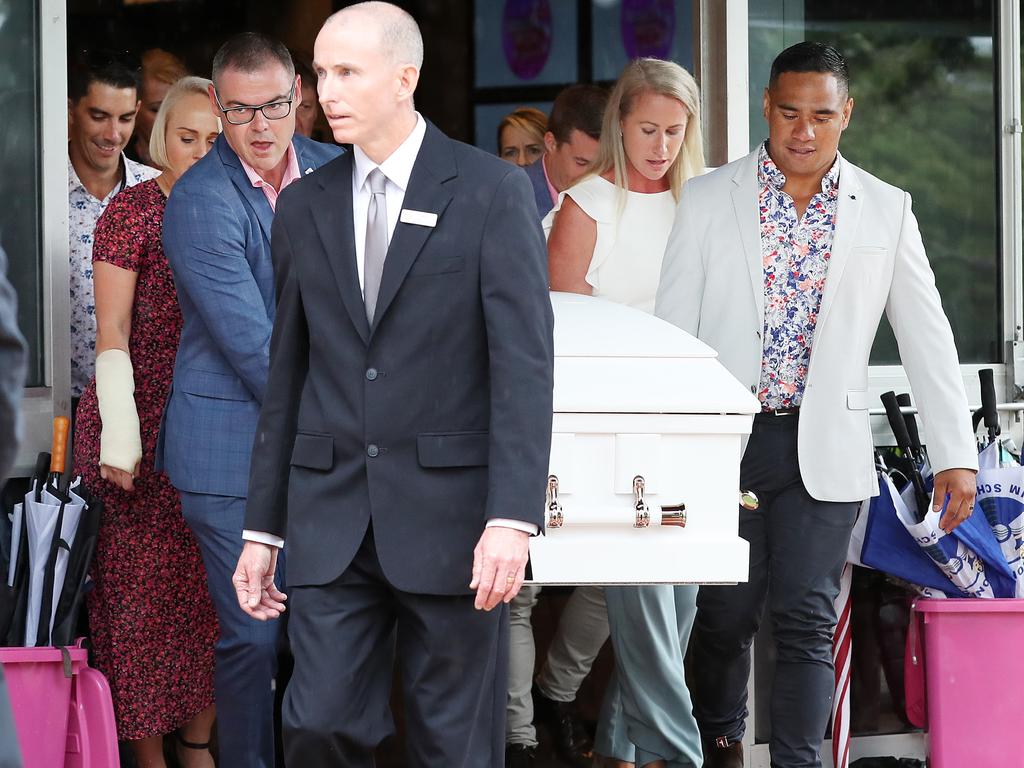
(41, 404)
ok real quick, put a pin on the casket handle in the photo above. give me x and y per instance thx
(673, 514)
(643, 512)
(555, 518)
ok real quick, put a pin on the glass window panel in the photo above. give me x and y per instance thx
(525, 42)
(626, 29)
(20, 230)
(924, 85)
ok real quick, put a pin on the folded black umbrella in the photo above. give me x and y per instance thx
(14, 589)
(81, 552)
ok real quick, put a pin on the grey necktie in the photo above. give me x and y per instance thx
(376, 241)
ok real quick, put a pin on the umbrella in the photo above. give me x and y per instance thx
(56, 534)
(902, 536)
(1001, 486)
(74, 583)
(14, 595)
(51, 527)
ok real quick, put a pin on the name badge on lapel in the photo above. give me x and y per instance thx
(422, 218)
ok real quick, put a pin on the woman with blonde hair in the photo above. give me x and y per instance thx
(154, 644)
(607, 236)
(521, 136)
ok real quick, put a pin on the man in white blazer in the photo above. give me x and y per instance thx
(784, 261)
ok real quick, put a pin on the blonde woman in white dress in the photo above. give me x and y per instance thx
(606, 238)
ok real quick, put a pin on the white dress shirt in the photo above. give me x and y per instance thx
(397, 169)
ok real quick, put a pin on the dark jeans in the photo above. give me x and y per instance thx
(797, 552)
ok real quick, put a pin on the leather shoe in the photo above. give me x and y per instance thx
(520, 756)
(729, 755)
(565, 725)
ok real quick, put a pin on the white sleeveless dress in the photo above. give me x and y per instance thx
(626, 265)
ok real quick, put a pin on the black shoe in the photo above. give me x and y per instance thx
(520, 756)
(565, 726)
(722, 753)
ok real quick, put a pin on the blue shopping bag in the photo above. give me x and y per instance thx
(966, 562)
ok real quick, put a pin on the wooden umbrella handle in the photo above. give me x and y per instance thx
(59, 451)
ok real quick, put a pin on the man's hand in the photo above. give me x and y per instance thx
(254, 582)
(499, 566)
(961, 486)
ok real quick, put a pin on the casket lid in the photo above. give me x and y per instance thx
(589, 327)
(610, 358)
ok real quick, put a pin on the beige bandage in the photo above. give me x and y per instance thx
(120, 440)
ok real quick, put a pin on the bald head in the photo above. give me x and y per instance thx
(400, 36)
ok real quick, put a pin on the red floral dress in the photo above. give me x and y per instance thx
(152, 622)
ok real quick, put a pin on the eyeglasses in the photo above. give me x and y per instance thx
(272, 110)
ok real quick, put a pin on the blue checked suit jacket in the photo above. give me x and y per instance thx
(217, 239)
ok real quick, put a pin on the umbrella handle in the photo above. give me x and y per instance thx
(58, 455)
(896, 422)
(988, 402)
(903, 400)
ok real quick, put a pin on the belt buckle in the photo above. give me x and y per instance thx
(791, 411)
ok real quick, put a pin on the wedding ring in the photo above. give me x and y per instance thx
(510, 579)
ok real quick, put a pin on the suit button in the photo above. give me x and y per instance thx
(371, 374)
(372, 451)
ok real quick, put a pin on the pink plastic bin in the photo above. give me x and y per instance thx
(974, 679)
(50, 690)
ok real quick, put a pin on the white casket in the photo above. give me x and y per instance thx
(645, 454)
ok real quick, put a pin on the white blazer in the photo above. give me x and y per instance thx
(712, 286)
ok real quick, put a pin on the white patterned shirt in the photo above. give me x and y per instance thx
(85, 211)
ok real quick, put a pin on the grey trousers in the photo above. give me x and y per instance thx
(582, 630)
(650, 629)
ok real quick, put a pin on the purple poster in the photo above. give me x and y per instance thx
(526, 36)
(648, 27)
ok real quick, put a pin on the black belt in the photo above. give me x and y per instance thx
(792, 411)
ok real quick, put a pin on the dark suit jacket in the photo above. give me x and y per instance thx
(217, 240)
(540, 187)
(436, 419)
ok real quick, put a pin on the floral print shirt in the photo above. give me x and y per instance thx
(795, 254)
(85, 211)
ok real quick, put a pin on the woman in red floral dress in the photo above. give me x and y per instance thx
(153, 625)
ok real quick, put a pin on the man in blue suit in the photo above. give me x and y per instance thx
(570, 143)
(217, 240)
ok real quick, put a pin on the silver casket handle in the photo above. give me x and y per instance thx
(671, 514)
(642, 511)
(555, 518)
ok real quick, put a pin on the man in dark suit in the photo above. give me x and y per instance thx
(570, 143)
(217, 240)
(403, 442)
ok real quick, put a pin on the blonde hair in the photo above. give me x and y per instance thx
(660, 77)
(186, 86)
(527, 119)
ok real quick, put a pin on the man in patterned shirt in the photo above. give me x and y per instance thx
(103, 100)
(784, 261)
